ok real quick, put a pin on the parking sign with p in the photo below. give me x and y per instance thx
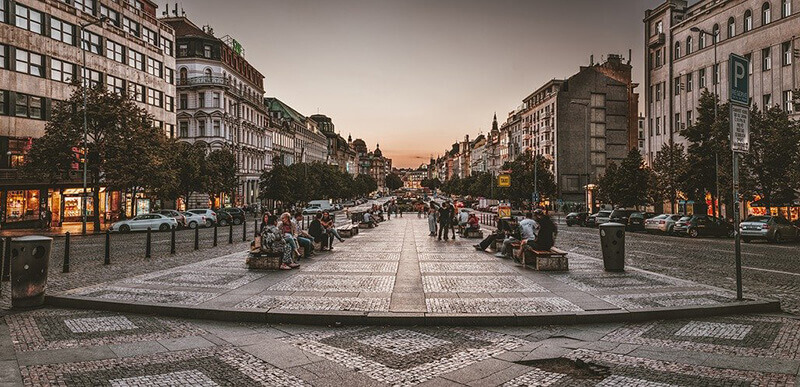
(739, 78)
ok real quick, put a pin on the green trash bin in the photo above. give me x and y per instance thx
(612, 240)
(30, 256)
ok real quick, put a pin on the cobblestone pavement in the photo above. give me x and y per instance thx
(60, 347)
(769, 270)
(398, 268)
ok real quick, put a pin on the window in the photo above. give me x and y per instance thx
(115, 85)
(701, 78)
(749, 58)
(659, 27)
(215, 100)
(84, 5)
(2, 11)
(154, 97)
(201, 128)
(28, 106)
(154, 67)
(94, 77)
(169, 103)
(166, 46)
(677, 86)
(702, 41)
(91, 42)
(170, 130)
(30, 63)
(183, 101)
(130, 27)
(658, 58)
(216, 128)
(786, 8)
(731, 27)
(767, 100)
(183, 50)
(136, 60)
(207, 51)
(786, 53)
(29, 19)
(715, 69)
(766, 14)
(677, 123)
(748, 20)
(677, 50)
(112, 15)
(136, 91)
(150, 36)
(658, 92)
(62, 31)
(61, 71)
(115, 51)
(136, 4)
(766, 59)
(715, 34)
(184, 75)
(658, 126)
(788, 103)
(688, 45)
(3, 99)
(169, 75)
(201, 99)
(689, 81)
(183, 129)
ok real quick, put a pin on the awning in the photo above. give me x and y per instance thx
(763, 203)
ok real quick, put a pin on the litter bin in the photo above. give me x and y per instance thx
(30, 256)
(612, 239)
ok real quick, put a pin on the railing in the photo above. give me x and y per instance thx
(204, 80)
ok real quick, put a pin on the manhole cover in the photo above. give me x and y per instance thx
(576, 369)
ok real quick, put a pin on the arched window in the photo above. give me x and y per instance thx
(731, 27)
(688, 45)
(677, 50)
(183, 74)
(786, 8)
(766, 14)
(748, 20)
(715, 34)
(207, 74)
(701, 43)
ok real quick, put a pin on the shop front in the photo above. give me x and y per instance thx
(21, 208)
(790, 211)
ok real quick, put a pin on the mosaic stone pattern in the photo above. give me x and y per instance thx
(500, 305)
(460, 255)
(56, 329)
(668, 299)
(378, 353)
(372, 256)
(214, 366)
(480, 284)
(196, 279)
(231, 263)
(754, 336)
(598, 281)
(316, 303)
(151, 296)
(464, 267)
(352, 267)
(334, 283)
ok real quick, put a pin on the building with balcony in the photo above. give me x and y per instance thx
(41, 50)
(221, 105)
(339, 152)
(308, 144)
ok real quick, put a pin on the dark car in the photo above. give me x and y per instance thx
(636, 220)
(703, 225)
(230, 215)
(620, 216)
(591, 221)
(577, 218)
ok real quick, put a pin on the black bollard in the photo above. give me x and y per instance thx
(172, 241)
(197, 238)
(244, 231)
(107, 258)
(215, 235)
(65, 269)
(148, 244)
(6, 259)
(230, 233)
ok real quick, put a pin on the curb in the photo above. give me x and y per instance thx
(327, 318)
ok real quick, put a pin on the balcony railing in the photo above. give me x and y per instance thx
(204, 81)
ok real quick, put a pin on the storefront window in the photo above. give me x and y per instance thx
(73, 208)
(142, 206)
(22, 206)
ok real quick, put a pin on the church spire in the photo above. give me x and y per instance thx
(494, 122)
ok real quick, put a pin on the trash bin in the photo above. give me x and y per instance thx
(612, 239)
(30, 256)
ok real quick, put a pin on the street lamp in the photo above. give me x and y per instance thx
(586, 105)
(84, 44)
(715, 74)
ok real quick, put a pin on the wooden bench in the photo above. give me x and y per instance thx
(473, 233)
(263, 261)
(365, 225)
(347, 231)
(551, 260)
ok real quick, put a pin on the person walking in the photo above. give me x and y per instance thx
(445, 218)
(432, 218)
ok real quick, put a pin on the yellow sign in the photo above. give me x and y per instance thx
(504, 181)
(504, 211)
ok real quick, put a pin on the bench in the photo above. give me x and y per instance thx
(365, 225)
(263, 261)
(550, 260)
(347, 231)
(473, 233)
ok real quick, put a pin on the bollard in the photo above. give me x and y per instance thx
(107, 258)
(230, 233)
(197, 238)
(148, 245)
(172, 241)
(215, 234)
(7, 259)
(64, 269)
(244, 231)
(255, 227)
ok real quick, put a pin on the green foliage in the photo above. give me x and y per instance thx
(303, 182)
(220, 172)
(393, 181)
(432, 184)
(626, 185)
(670, 169)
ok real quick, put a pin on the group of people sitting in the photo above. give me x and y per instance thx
(444, 219)
(285, 235)
(537, 231)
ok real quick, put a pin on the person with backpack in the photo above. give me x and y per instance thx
(274, 242)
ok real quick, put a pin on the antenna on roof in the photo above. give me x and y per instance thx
(175, 11)
(166, 11)
(183, 13)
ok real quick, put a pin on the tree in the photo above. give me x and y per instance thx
(189, 161)
(608, 186)
(432, 184)
(365, 185)
(393, 182)
(626, 185)
(220, 173)
(669, 170)
(523, 176)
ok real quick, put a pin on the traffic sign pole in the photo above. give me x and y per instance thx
(738, 88)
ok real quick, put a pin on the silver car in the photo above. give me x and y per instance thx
(664, 223)
(603, 217)
(770, 228)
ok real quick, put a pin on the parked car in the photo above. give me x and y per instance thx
(703, 225)
(180, 218)
(591, 220)
(577, 218)
(636, 220)
(211, 216)
(664, 223)
(231, 215)
(770, 228)
(143, 222)
(312, 209)
(620, 216)
(194, 220)
(603, 216)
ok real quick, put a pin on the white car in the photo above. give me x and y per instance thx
(143, 222)
(194, 220)
(313, 209)
(603, 216)
(664, 223)
(211, 216)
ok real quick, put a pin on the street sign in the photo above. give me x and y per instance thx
(504, 212)
(535, 197)
(740, 128)
(738, 86)
(504, 180)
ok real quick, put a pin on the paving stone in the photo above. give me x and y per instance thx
(336, 283)
(9, 372)
(190, 342)
(315, 303)
(486, 284)
(500, 305)
(137, 348)
(137, 295)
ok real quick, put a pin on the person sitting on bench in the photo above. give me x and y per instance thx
(546, 235)
(504, 228)
(370, 219)
(473, 223)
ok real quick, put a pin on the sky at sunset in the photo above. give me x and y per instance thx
(417, 75)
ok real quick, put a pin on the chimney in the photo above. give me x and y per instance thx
(591, 60)
(630, 54)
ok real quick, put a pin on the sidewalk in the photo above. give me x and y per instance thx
(396, 274)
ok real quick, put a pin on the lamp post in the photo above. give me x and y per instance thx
(84, 44)
(715, 74)
(586, 105)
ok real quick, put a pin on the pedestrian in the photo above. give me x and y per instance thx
(445, 218)
(432, 218)
(546, 233)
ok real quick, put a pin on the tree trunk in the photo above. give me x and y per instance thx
(96, 201)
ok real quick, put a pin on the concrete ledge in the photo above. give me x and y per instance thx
(328, 318)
